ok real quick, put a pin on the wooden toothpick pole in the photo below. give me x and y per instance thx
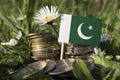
(62, 51)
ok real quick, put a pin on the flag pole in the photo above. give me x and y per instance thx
(62, 51)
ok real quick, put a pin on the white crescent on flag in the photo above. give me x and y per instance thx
(81, 35)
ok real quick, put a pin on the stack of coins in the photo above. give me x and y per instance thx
(44, 46)
(76, 49)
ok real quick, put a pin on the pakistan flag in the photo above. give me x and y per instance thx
(80, 30)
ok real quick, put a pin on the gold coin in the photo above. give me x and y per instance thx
(34, 34)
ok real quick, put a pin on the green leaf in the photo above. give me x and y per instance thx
(30, 14)
(8, 22)
(113, 75)
(81, 71)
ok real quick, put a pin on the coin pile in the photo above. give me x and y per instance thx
(76, 49)
(43, 46)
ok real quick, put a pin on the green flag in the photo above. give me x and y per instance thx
(80, 30)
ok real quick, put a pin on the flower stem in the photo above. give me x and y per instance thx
(53, 27)
(55, 30)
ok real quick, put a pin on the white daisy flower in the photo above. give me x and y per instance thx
(46, 15)
(12, 42)
(21, 18)
(98, 50)
(18, 35)
(104, 37)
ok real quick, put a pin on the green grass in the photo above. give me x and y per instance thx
(11, 10)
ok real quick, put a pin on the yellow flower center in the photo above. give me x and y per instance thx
(47, 18)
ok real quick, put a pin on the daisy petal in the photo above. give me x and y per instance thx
(19, 35)
(12, 42)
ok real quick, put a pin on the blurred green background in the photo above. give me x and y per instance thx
(107, 10)
(18, 15)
